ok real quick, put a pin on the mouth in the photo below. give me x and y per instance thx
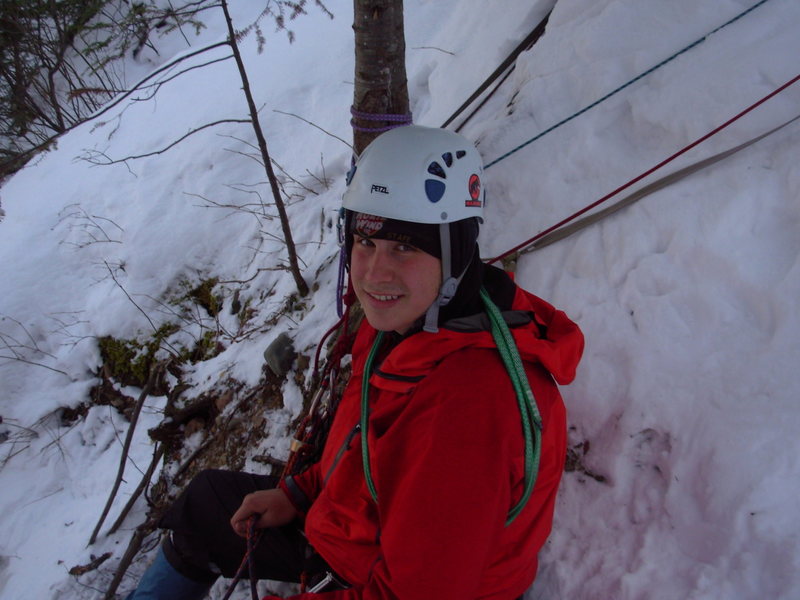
(384, 297)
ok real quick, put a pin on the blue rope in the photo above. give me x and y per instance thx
(631, 82)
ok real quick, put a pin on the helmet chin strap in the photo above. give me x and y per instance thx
(449, 283)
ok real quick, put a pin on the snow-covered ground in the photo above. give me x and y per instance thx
(685, 412)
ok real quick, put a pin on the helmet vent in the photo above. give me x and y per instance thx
(434, 189)
(461, 154)
(436, 169)
(447, 157)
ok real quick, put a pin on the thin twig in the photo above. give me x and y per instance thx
(294, 180)
(111, 161)
(300, 282)
(346, 143)
(248, 280)
(29, 153)
(158, 453)
(133, 547)
(124, 291)
(175, 353)
(35, 364)
(433, 48)
(155, 371)
(156, 72)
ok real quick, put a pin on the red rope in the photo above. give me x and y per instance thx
(310, 422)
(253, 536)
(610, 195)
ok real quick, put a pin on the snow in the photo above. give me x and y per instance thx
(684, 411)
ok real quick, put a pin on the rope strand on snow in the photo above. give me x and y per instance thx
(510, 61)
(646, 173)
(563, 232)
(625, 85)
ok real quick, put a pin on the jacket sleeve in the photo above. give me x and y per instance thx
(303, 488)
(447, 472)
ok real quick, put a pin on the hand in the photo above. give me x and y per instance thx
(272, 508)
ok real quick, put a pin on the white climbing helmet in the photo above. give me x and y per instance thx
(429, 176)
(417, 174)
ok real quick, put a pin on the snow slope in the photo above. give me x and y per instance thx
(684, 415)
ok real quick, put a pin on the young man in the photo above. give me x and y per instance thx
(429, 485)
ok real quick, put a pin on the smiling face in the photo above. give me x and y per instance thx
(394, 282)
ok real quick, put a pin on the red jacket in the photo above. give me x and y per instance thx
(446, 449)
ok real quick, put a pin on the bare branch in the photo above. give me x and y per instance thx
(302, 286)
(162, 150)
(13, 345)
(157, 85)
(30, 362)
(161, 69)
(88, 224)
(294, 180)
(155, 372)
(433, 48)
(124, 291)
(259, 270)
(349, 145)
(255, 209)
(158, 453)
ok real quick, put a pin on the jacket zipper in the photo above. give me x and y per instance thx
(342, 449)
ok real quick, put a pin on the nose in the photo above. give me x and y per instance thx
(378, 267)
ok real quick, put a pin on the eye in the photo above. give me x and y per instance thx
(362, 241)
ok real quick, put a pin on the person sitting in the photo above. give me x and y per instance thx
(436, 481)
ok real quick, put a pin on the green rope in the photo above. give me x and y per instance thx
(631, 82)
(531, 419)
(365, 415)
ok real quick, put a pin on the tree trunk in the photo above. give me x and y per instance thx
(381, 87)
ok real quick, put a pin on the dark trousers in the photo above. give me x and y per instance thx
(203, 544)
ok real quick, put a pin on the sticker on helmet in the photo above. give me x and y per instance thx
(474, 191)
(368, 225)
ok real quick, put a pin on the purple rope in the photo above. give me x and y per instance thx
(398, 120)
(380, 117)
(376, 129)
(340, 284)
